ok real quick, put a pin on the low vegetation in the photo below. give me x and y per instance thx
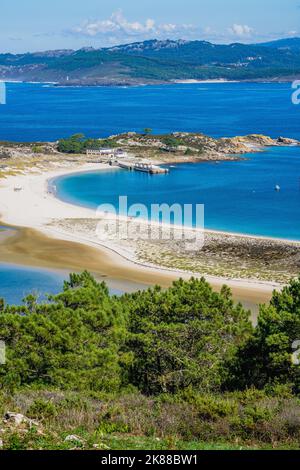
(181, 368)
(78, 144)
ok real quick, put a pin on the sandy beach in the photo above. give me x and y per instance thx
(42, 238)
(194, 81)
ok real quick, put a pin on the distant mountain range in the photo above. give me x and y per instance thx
(290, 43)
(157, 62)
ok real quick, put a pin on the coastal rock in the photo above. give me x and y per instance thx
(74, 438)
(182, 148)
(287, 141)
(27, 150)
(16, 419)
(174, 147)
(101, 446)
(255, 139)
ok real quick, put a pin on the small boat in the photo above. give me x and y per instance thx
(277, 188)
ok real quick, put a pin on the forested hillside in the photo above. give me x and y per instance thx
(156, 61)
(176, 368)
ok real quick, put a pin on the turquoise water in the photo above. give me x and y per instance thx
(37, 112)
(16, 282)
(238, 196)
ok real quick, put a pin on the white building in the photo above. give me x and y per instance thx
(107, 152)
(101, 152)
(120, 153)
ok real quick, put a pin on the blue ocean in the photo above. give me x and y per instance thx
(41, 112)
(238, 196)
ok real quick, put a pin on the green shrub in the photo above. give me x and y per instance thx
(41, 409)
(212, 408)
(37, 149)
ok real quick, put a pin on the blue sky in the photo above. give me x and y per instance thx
(33, 25)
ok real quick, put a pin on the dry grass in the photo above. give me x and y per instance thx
(233, 418)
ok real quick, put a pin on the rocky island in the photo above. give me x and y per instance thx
(167, 148)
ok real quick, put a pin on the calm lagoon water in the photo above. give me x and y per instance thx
(16, 282)
(238, 196)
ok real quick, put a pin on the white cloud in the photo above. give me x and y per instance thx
(168, 28)
(241, 30)
(292, 33)
(117, 29)
(208, 30)
(118, 26)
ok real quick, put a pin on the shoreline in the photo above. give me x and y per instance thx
(128, 83)
(33, 208)
(207, 231)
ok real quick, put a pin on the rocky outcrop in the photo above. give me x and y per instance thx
(256, 139)
(73, 438)
(286, 141)
(172, 146)
(28, 150)
(201, 146)
(17, 419)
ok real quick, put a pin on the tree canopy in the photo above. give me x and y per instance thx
(78, 143)
(266, 358)
(158, 341)
(181, 337)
